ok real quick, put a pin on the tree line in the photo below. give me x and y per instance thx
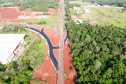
(34, 5)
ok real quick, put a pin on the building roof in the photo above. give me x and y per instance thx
(8, 43)
(76, 8)
(80, 21)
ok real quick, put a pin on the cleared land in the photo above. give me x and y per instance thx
(12, 14)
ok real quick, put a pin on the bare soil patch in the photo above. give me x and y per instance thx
(53, 36)
(68, 65)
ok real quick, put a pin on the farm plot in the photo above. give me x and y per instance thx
(119, 11)
(113, 21)
(106, 12)
(94, 15)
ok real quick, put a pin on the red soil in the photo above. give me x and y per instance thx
(52, 11)
(68, 65)
(53, 36)
(74, 16)
(12, 14)
(46, 72)
(9, 13)
(56, 53)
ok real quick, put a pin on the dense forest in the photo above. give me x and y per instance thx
(39, 6)
(11, 1)
(34, 5)
(98, 52)
(21, 71)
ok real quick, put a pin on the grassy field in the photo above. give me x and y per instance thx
(119, 11)
(75, 12)
(113, 21)
(106, 12)
(94, 15)
(113, 17)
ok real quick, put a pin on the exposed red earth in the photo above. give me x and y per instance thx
(52, 11)
(13, 14)
(53, 36)
(76, 17)
(46, 71)
(68, 65)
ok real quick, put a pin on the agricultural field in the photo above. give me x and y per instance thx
(94, 15)
(113, 16)
(100, 15)
(113, 21)
(106, 12)
(119, 11)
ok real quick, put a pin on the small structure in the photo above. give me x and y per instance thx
(24, 17)
(86, 10)
(79, 21)
(76, 8)
(98, 5)
(10, 45)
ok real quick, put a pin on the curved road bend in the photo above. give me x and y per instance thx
(51, 54)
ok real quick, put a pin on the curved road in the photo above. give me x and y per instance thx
(51, 54)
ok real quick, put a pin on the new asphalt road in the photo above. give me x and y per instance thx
(51, 54)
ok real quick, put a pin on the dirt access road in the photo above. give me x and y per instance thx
(61, 44)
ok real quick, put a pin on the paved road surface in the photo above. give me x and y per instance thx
(61, 54)
(51, 54)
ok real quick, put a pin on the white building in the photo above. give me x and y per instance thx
(79, 21)
(86, 10)
(76, 8)
(10, 44)
(98, 5)
(24, 17)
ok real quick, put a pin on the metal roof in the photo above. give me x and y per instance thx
(8, 42)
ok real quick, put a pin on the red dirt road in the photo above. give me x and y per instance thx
(68, 65)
